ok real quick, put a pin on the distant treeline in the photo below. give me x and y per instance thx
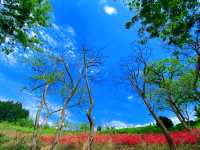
(12, 111)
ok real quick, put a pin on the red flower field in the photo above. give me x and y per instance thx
(179, 137)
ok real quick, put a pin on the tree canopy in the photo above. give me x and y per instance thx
(19, 20)
(171, 20)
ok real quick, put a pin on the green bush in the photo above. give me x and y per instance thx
(27, 122)
(99, 129)
(166, 121)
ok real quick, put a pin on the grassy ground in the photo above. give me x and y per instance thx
(148, 129)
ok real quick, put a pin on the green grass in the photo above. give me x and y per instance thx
(11, 127)
(5, 126)
(149, 129)
(137, 130)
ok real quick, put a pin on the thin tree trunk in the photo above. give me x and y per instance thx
(60, 126)
(178, 113)
(62, 118)
(89, 116)
(161, 125)
(91, 104)
(37, 119)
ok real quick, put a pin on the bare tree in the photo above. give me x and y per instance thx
(71, 85)
(136, 75)
(87, 64)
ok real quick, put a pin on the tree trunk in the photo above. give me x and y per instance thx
(62, 118)
(60, 127)
(91, 104)
(37, 120)
(178, 113)
(91, 134)
(161, 125)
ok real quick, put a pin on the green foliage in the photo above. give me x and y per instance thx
(18, 18)
(99, 128)
(169, 77)
(197, 111)
(134, 130)
(25, 122)
(171, 20)
(11, 111)
(3, 139)
(84, 127)
(166, 121)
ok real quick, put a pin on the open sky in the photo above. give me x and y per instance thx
(96, 24)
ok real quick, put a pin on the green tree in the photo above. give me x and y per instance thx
(175, 22)
(20, 18)
(135, 72)
(171, 20)
(172, 86)
(46, 75)
(12, 111)
(166, 121)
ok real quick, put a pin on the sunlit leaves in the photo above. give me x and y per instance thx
(170, 20)
(18, 17)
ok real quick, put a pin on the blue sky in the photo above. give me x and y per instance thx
(96, 24)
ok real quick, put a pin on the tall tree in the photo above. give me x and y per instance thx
(91, 63)
(175, 21)
(19, 21)
(165, 76)
(136, 70)
(69, 89)
(45, 75)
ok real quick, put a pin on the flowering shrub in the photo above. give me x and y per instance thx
(179, 137)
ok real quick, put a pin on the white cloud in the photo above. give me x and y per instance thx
(130, 97)
(109, 10)
(120, 124)
(9, 59)
(48, 38)
(71, 53)
(175, 120)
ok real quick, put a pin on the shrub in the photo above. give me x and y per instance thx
(84, 127)
(99, 129)
(27, 122)
(166, 121)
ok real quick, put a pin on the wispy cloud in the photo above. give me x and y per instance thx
(71, 30)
